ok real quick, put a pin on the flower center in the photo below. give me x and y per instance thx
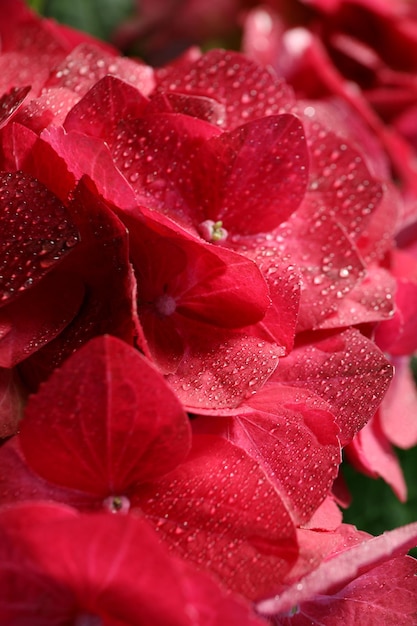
(165, 304)
(117, 504)
(212, 231)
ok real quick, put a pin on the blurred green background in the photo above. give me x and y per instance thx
(374, 507)
(97, 17)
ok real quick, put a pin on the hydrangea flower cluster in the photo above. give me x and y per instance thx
(198, 278)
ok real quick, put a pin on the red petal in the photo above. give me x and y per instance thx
(38, 316)
(101, 262)
(218, 510)
(109, 101)
(347, 370)
(328, 262)
(294, 439)
(112, 432)
(166, 160)
(89, 156)
(11, 102)
(247, 90)
(266, 154)
(19, 483)
(37, 232)
(101, 567)
(221, 368)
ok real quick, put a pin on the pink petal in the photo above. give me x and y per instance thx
(112, 432)
(88, 63)
(49, 108)
(399, 335)
(344, 568)
(370, 300)
(371, 452)
(398, 409)
(387, 594)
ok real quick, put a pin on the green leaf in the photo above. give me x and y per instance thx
(97, 17)
(374, 507)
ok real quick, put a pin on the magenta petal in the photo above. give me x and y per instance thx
(218, 510)
(109, 429)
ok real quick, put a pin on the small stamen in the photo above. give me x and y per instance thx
(212, 231)
(165, 304)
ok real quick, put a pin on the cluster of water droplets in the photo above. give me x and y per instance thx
(247, 90)
(36, 232)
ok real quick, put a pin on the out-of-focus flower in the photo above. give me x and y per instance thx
(358, 50)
